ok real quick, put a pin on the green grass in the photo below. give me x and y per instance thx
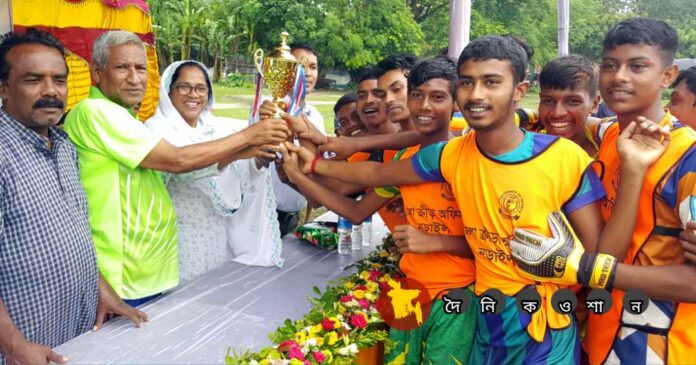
(243, 97)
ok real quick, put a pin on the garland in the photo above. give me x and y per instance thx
(343, 319)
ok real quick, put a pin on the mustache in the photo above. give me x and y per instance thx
(49, 103)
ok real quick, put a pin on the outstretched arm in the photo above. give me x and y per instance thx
(366, 173)
(167, 157)
(343, 147)
(354, 211)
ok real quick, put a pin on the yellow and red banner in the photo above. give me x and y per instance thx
(77, 23)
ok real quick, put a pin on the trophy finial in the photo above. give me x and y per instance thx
(283, 50)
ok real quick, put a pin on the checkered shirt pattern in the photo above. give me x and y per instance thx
(48, 268)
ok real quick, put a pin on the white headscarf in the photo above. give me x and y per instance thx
(168, 123)
(240, 191)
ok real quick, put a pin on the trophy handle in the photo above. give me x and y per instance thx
(258, 61)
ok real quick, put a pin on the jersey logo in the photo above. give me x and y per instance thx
(511, 204)
(446, 192)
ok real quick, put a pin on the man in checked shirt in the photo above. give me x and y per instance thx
(50, 289)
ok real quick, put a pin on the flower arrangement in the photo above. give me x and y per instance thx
(343, 319)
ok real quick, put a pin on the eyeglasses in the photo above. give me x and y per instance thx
(185, 89)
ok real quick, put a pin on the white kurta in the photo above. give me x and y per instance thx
(223, 214)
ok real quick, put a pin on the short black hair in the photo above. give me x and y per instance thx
(369, 74)
(351, 97)
(569, 72)
(30, 36)
(177, 73)
(689, 77)
(440, 67)
(504, 48)
(404, 62)
(306, 46)
(644, 31)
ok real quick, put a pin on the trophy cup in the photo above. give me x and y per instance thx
(278, 71)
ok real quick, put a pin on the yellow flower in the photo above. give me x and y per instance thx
(371, 297)
(316, 329)
(364, 275)
(333, 338)
(372, 286)
(341, 309)
(264, 362)
(383, 254)
(385, 278)
(329, 356)
(376, 265)
(359, 294)
(296, 362)
(336, 322)
(349, 285)
(301, 337)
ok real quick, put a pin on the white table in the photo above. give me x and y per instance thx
(234, 306)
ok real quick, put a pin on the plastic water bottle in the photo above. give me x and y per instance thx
(367, 231)
(356, 237)
(344, 230)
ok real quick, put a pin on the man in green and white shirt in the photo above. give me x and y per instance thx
(131, 215)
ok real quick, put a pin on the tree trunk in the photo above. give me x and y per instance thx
(216, 69)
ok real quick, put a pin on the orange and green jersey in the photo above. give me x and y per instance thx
(664, 333)
(517, 189)
(389, 218)
(432, 208)
(358, 157)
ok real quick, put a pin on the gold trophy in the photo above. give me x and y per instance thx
(278, 71)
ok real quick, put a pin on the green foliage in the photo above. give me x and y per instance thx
(354, 34)
(235, 80)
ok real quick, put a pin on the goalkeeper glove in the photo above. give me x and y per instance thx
(561, 259)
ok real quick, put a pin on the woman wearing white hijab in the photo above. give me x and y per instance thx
(223, 213)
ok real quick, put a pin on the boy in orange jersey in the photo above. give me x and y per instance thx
(637, 65)
(485, 169)
(432, 243)
(567, 98)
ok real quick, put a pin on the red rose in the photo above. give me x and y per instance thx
(346, 298)
(327, 324)
(364, 303)
(375, 275)
(358, 320)
(319, 356)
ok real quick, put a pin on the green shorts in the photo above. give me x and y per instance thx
(442, 339)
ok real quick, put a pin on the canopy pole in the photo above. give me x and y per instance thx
(563, 26)
(460, 24)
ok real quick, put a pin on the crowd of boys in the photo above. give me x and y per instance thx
(521, 201)
(505, 208)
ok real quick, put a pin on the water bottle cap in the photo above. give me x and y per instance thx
(344, 223)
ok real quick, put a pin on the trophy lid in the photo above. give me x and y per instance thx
(283, 51)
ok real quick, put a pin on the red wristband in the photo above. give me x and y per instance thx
(314, 164)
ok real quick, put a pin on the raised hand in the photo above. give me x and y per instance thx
(642, 143)
(291, 163)
(306, 157)
(267, 131)
(265, 152)
(341, 147)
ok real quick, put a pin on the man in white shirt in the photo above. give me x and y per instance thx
(289, 202)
